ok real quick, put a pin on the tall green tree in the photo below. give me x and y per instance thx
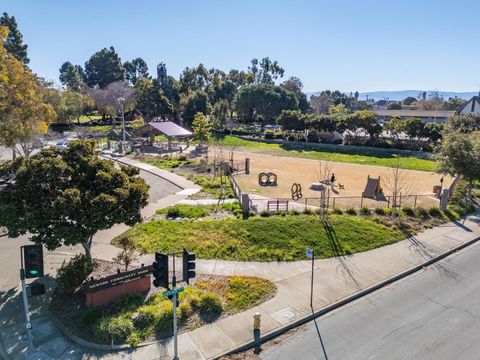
(103, 68)
(194, 103)
(459, 154)
(72, 76)
(63, 197)
(23, 113)
(151, 101)
(295, 85)
(263, 102)
(14, 41)
(266, 71)
(220, 113)
(135, 69)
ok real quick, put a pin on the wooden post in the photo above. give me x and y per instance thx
(415, 203)
(333, 205)
(361, 202)
(247, 166)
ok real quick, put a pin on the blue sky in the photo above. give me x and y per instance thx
(348, 45)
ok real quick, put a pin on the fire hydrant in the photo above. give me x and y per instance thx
(256, 320)
(256, 332)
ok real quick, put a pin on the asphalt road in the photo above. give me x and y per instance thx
(435, 314)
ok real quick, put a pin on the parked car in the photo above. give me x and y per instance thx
(62, 144)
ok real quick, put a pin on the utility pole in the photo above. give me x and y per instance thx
(121, 102)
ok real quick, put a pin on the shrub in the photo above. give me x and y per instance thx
(434, 212)
(129, 303)
(134, 339)
(422, 212)
(71, 275)
(351, 211)
(294, 212)
(91, 316)
(338, 211)
(407, 210)
(380, 211)
(185, 310)
(192, 296)
(269, 134)
(388, 211)
(186, 211)
(210, 305)
(365, 211)
(264, 213)
(347, 249)
(112, 328)
(308, 211)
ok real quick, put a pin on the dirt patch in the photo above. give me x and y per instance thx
(352, 177)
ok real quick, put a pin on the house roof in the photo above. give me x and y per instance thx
(415, 113)
(169, 128)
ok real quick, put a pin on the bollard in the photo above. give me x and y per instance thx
(256, 332)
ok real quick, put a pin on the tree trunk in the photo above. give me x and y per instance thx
(87, 246)
(14, 153)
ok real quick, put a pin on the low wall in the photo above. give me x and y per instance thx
(109, 295)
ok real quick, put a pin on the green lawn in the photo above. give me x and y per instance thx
(264, 239)
(354, 155)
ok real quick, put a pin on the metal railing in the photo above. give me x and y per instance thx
(258, 205)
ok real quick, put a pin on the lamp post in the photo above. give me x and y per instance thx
(121, 102)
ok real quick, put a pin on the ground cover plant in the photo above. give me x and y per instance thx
(137, 318)
(199, 211)
(163, 162)
(354, 155)
(264, 238)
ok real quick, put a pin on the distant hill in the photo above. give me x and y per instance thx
(402, 94)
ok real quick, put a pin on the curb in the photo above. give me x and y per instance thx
(250, 344)
(91, 345)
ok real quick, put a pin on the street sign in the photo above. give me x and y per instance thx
(309, 253)
(172, 292)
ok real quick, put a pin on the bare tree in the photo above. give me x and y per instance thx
(397, 184)
(324, 172)
(106, 100)
(128, 253)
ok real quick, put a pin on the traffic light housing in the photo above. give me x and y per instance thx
(33, 261)
(160, 270)
(188, 266)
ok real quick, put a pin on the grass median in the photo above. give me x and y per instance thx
(348, 154)
(264, 239)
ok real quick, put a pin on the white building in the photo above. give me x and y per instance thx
(471, 107)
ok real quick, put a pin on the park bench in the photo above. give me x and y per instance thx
(277, 205)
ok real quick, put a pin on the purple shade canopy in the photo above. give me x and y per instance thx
(169, 128)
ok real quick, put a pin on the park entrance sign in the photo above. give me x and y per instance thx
(106, 290)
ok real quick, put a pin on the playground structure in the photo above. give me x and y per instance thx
(296, 192)
(372, 188)
(267, 179)
(353, 191)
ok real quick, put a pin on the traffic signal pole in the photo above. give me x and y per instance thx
(25, 302)
(174, 299)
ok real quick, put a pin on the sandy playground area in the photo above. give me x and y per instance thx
(352, 177)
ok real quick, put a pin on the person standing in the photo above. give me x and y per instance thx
(332, 180)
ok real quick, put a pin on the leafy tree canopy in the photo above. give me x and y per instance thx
(202, 127)
(14, 41)
(194, 103)
(264, 102)
(135, 69)
(103, 68)
(63, 197)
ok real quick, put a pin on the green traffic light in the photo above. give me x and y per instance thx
(33, 272)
